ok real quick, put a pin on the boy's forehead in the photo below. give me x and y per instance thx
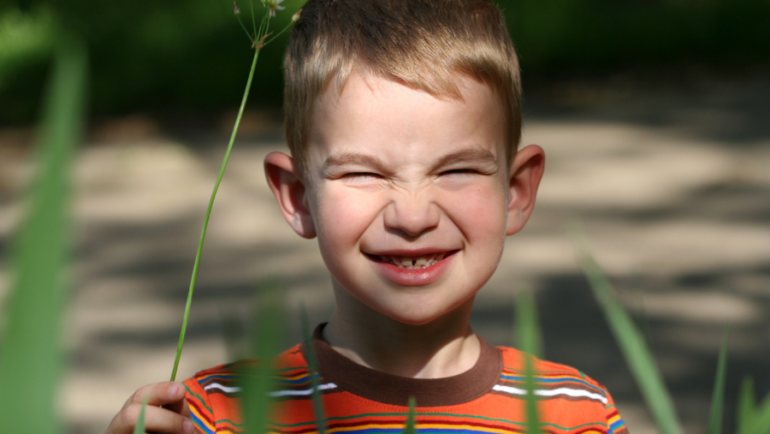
(368, 80)
(370, 95)
(380, 117)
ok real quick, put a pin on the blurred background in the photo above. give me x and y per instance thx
(654, 115)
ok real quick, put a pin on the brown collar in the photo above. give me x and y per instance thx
(393, 389)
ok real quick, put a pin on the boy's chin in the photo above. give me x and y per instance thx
(415, 320)
(411, 310)
(422, 315)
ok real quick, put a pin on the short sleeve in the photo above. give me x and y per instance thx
(200, 406)
(615, 424)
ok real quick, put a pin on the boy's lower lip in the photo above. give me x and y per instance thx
(416, 276)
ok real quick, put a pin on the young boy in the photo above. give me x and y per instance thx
(403, 118)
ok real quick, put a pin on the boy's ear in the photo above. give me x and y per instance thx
(526, 172)
(289, 191)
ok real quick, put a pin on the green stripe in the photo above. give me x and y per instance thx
(602, 423)
(231, 422)
(544, 372)
(202, 401)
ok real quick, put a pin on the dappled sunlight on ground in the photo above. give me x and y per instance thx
(673, 190)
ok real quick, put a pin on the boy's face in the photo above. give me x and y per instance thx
(410, 196)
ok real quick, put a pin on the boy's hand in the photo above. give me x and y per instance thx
(172, 418)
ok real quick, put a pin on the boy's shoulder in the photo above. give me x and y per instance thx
(551, 378)
(513, 361)
(213, 394)
(225, 380)
(565, 395)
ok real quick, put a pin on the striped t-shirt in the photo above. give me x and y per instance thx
(487, 399)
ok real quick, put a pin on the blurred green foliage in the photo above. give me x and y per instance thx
(555, 37)
(30, 350)
(183, 55)
(192, 55)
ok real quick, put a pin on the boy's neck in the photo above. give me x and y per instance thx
(442, 348)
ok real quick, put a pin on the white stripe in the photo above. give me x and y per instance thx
(303, 392)
(222, 388)
(554, 392)
(278, 393)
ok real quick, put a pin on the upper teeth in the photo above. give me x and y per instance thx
(411, 263)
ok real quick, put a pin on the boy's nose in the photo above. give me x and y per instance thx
(412, 216)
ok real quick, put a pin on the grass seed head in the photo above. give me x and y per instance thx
(273, 5)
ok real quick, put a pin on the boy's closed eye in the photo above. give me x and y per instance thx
(361, 175)
(466, 172)
(364, 177)
(354, 178)
(452, 175)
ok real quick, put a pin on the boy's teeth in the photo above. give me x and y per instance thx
(411, 263)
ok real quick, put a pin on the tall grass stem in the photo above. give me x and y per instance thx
(410, 427)
(529, 338)
(139, 427)
(258, 383)
(208, 215)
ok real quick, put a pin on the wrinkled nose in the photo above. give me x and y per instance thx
(412, 215)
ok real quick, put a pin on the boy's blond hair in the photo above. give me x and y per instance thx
(422, 43)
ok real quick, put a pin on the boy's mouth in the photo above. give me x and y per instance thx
(412, 262)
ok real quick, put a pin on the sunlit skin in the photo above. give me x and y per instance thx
(393, 173)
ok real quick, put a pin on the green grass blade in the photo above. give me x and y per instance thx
(139, 428)
(30, 357)
(196, 264)
(718, 398)
(530, 338)
(257, 383)
(746, 405)
(410, 427)
(630, 340)
(320, 415)
(529, 341)
(759, 422)
(532, 413)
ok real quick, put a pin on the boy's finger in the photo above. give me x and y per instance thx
(159, 394)
(179, 407)
(159, 420)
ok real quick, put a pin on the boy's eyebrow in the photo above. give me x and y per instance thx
(472, 155)
(354, 158)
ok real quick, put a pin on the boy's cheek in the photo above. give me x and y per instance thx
(343, 218)
(478, 210)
